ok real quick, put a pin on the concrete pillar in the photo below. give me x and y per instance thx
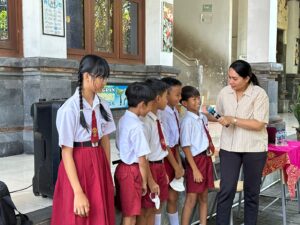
(292, 50)
(257, 44)
(257, 30)
(153, 34)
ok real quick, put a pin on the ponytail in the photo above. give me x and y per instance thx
(254, 80)
(103, 112)
(243, 69)
(82, 119)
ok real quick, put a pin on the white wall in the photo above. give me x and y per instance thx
(206, 36)
(36, 44)
(153, 34)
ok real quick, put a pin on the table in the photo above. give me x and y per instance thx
(287, 160)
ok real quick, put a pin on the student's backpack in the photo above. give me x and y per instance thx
(7, 209)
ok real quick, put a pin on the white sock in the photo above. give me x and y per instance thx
(157, 219)
(173, 218)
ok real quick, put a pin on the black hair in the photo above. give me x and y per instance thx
(138, 92)
(158, 86)
(96, 67)
(171, 81)
(188, 92)
(243, 69)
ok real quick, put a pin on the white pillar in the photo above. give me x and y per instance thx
(262, 31)
(35, 43)
(257, 30)
(292, 35)
(242, 29)
(153, 34)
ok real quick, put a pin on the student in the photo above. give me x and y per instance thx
(84, 192)
(131, 173)
(194, 142)
(157, 176)
(170, 119)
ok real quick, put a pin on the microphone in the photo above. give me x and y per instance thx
(213, 112)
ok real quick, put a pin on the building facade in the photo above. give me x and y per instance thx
(41, 42)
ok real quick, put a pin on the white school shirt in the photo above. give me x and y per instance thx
(152, 136)
(169, 122)
(68, 120)
(130, 138)
(192, 132)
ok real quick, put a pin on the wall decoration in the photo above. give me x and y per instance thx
(167, 27)
(53, 17)
(114, 94)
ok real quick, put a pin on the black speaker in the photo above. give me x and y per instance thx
(46, 150)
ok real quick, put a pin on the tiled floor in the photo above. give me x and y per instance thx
(17, 171)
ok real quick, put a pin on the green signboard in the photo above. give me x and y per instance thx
(207, 8)
(114, 94)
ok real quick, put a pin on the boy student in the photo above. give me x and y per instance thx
(170, 119)
(131, 172)
(194, 142)
(157, 176)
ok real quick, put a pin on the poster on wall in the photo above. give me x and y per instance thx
(167, 27)
(114, 94)
(53, 17)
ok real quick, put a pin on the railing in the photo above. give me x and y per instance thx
(185, 60)
(178, 52)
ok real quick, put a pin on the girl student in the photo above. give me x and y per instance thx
(84, 192)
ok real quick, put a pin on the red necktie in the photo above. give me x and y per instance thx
(210, 143)
(161, 136)
(95, 136)
(177, 126)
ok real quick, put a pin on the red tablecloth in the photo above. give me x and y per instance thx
(286, 158)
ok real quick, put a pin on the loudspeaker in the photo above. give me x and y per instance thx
(47, 153)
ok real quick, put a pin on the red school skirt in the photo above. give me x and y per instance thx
(96, 181)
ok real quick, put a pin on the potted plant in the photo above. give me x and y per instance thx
(296, 110)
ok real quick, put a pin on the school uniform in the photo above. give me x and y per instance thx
(132, 144)
(170, 120)
(92, 166)
(158, 146)
(193, 135)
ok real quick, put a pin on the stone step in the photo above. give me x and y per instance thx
(41, 216)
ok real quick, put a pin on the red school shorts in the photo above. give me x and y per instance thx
(128, 183)
(169, 169)
(159, 175)
(204, 164)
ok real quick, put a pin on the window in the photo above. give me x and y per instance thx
(113, 29)
(10, 28)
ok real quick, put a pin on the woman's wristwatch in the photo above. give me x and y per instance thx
(234, 121)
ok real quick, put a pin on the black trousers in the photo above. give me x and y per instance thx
(230, 164)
